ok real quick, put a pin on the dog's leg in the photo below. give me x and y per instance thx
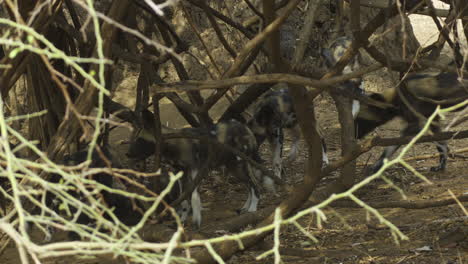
(276, 145)
(296, 136)
(324, 153)
(355, 108)
(266, 181)
(246, 205)
(244, 172)
(441, 147)
(184, 210)
(443, 151)
(254, 198)
(269, 185)
(411, 129)
(254, 201)
(196, 202)
(387, 153)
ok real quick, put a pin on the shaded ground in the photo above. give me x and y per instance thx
(436, 235)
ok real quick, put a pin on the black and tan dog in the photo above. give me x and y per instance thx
(189, 155)
(423, 92)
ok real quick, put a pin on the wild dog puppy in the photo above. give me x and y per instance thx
(122, 206)
(188, 155)
(422, 91)
(332, 55)
(272, 114)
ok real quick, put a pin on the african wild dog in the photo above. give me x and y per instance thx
(189, 154)
(332, 55)
(272, 114)
(275, 110)
(423, 92)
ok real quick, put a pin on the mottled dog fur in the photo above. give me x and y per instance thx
(332, 55)
(188, 155)
(422, 91)
(274, 113)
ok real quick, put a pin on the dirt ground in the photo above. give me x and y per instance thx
(436, 235)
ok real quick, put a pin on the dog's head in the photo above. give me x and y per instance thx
(333, 54)
(370, 117)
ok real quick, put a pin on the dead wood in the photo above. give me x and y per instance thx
(361, 39)
(250, 95)
(196, 31)
(384, 142)
(119, 110)
(160, 233)
(317, 255)
(272, 42)
(194, 96)
(444, 31)
(348, 139)
(260, 79)
(437, 46)
(238, 66)
(248, 33)
(143, 83)
(460, 121)
(10, 75)
(305, 113)
(68, 129)
(254, 9)
(180, 45)
(343, 105)
(236, 224)
(369, 143)
(403, 204)
(462, 7)
(43, 94)
(428, 156)
(138, 57)
(382, 4)
(184, 108)
(219, 33)
(241, 69)
(155, 181)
